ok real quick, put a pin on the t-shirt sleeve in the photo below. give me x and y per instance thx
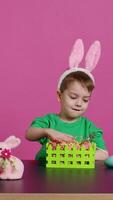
(97, 136)
(41, 122)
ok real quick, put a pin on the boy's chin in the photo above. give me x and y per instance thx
(76, 115)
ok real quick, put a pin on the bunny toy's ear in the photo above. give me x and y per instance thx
(76, 54)
(12, 142)
(93, 56)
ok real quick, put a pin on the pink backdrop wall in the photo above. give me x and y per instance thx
(36, 37)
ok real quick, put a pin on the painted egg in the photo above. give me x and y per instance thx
(109, 161)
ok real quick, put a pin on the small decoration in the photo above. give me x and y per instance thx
(6, 153)
(10, 166)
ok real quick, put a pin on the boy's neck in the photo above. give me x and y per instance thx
(67, 119)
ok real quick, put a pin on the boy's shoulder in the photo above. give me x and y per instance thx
(43, 120)
(48, 116)
(86, 120)
(90, 123)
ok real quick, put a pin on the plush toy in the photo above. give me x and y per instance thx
(10, 166)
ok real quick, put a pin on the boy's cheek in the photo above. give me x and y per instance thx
(86, 107)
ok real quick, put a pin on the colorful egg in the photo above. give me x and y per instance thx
(109, 161)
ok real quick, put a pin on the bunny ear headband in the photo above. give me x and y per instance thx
(76, 56)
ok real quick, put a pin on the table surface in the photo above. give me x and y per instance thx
(39, 179)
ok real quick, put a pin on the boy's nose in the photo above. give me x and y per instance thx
(79, 103)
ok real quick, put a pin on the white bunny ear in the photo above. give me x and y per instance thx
(93, 56)
(76, 54)
(12, 142)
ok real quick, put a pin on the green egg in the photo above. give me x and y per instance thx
(109, 161)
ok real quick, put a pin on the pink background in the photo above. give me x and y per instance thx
(35, 41)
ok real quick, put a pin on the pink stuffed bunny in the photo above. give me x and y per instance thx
(10, 166)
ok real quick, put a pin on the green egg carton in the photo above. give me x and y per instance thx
(70, 158)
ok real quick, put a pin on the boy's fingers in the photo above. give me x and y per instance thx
(71, 137)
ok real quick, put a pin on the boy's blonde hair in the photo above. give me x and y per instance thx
(79, 76)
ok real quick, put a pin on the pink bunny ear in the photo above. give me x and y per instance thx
(93, 56)
(76, 54)
(12, 142)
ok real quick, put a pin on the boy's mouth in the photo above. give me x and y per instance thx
(76, 109)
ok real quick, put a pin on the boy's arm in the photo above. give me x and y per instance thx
(101, 154)
(34, 133)
(97, 137)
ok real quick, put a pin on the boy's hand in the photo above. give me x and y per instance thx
(57, 136)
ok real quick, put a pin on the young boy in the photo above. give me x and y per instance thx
(74, 91)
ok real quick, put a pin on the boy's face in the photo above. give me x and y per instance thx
(74, 101)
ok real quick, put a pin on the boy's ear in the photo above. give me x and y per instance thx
(58, 96)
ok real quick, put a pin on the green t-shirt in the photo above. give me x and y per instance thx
(81, 129)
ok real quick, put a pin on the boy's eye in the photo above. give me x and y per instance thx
(85, 100)
(73, 97)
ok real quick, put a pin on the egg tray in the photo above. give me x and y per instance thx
(70, 158)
